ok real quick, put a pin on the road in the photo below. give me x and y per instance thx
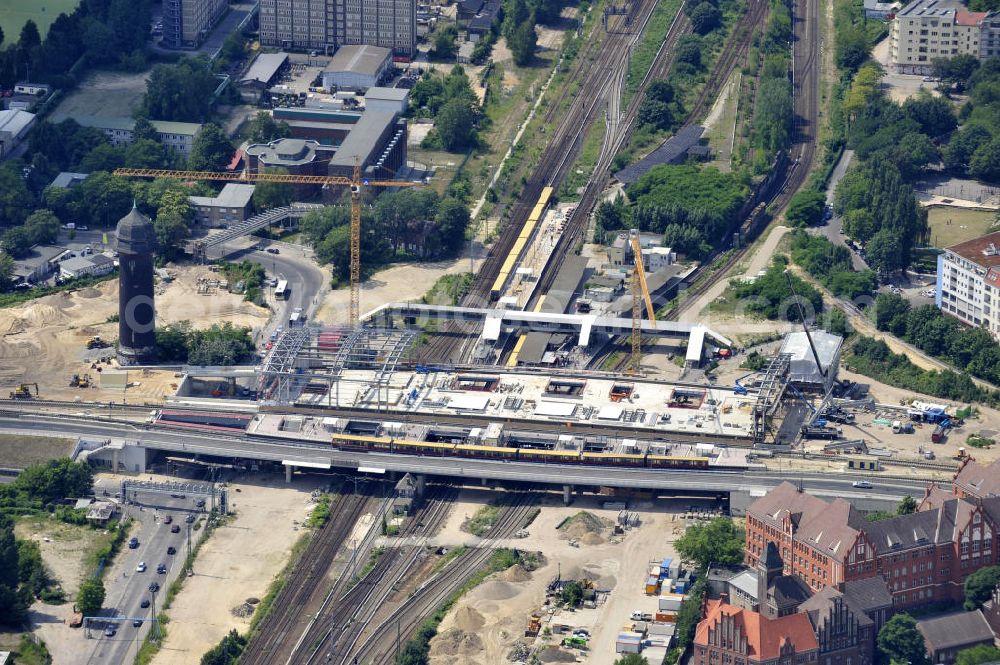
(293, 263)
(318, 456)
(127, 588)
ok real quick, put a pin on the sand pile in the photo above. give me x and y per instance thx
(584, 526)
(555, 655)
(469, 620)
(514, 574)
(89, 292)
(498, 590)
(457, 642)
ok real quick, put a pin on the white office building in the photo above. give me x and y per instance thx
(968, 282)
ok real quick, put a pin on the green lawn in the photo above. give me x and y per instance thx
(15, 13)
(950, 226)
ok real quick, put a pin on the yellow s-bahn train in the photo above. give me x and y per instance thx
(383, 444)
(523, 238)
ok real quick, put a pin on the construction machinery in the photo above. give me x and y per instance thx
(23, 391)
(639, 288)
(79, 381)
(96, 342)
(356, 182)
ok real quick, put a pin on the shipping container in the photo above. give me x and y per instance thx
(652, 586)
(670, 602)
(665, 617)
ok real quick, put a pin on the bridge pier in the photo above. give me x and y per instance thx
(567, 494)
(115, 461)
(421, 483)
(288, 473)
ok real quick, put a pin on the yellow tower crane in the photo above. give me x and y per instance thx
(639, 288)
(356, 182)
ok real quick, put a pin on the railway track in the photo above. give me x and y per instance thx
(340, 622)
(376, 645)
(590, 71)
(305, 587)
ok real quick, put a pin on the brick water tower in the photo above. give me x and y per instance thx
(135, 242)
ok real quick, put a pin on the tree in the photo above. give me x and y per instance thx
(211, 150)
(90, 597)
(42, 226)
(171, 224)
(264, 128)
(227, 651)
(450, 224)
(444, 43)
(851, 48)
(106, 198)
(8, 553)
(900, 641)
(143, 129)
(915, 153)
(934, 114)
(985, 162)
(982, 653)
(184, 91)
(55, 480)
(632, 659)
(890, 313)
(956, 71)
(6, 271)
(689, 50)
(515, 12)
(705, 18)
(455, 125)
(15, 199)
(719, 541)
(907, 506)
(146, 154)
(16, 242)
(104, 157)
(268, 195)
(979, 586)
(30, 38)
(572, 593)
(522, 42)
(806, 208)
(659, 107)
(884, 252)
(963, 144)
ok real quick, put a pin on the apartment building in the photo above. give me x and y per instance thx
(968, 282)
(926, 30)
(186, 23)
(329, 24)
(924, 557)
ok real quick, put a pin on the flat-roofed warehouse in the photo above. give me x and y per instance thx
(357, 68)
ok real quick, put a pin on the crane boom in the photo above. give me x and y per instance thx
(640, 270)
(356, 182)
(639, 287)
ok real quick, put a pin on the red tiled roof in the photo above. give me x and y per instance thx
(993, 277)
(765, 637)
(968, 18)
(973, 250)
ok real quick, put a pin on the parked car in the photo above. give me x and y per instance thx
(272, 250)
(133, 543)
(862, 484)
(200, 503)
(168, 519)
(190, 518)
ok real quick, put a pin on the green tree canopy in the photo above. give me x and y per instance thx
(719, 541)
(90, 597)
(455, 125)
(907, 506)
(212, 150)
(977, 655)
(632, 659)
(182, 91)
(900, 641)
(979, 586)
(445, 47)
(572, 593)
(522, 42)
(264, 128)
(806, 208)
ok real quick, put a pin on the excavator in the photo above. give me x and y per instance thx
(96, 342)
(23, 391)
(78, 381)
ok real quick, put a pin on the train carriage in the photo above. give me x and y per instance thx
(614, 459)
(674, 462)
(551, 456)
(486, 452)
(423, 448)
(361, 442)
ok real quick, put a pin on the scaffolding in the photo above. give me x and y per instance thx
(772, 389)
(310, 361)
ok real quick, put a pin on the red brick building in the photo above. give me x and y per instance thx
(924, 557)
(730, 635)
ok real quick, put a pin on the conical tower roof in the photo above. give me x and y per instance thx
(135, 234)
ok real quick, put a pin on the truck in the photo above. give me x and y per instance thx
(940, 434)
(899, 427)
(821, 432)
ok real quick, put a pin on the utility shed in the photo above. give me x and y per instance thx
(802, 363)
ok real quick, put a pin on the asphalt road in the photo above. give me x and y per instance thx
(292, 263)
(319, 456)
(126, 588)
